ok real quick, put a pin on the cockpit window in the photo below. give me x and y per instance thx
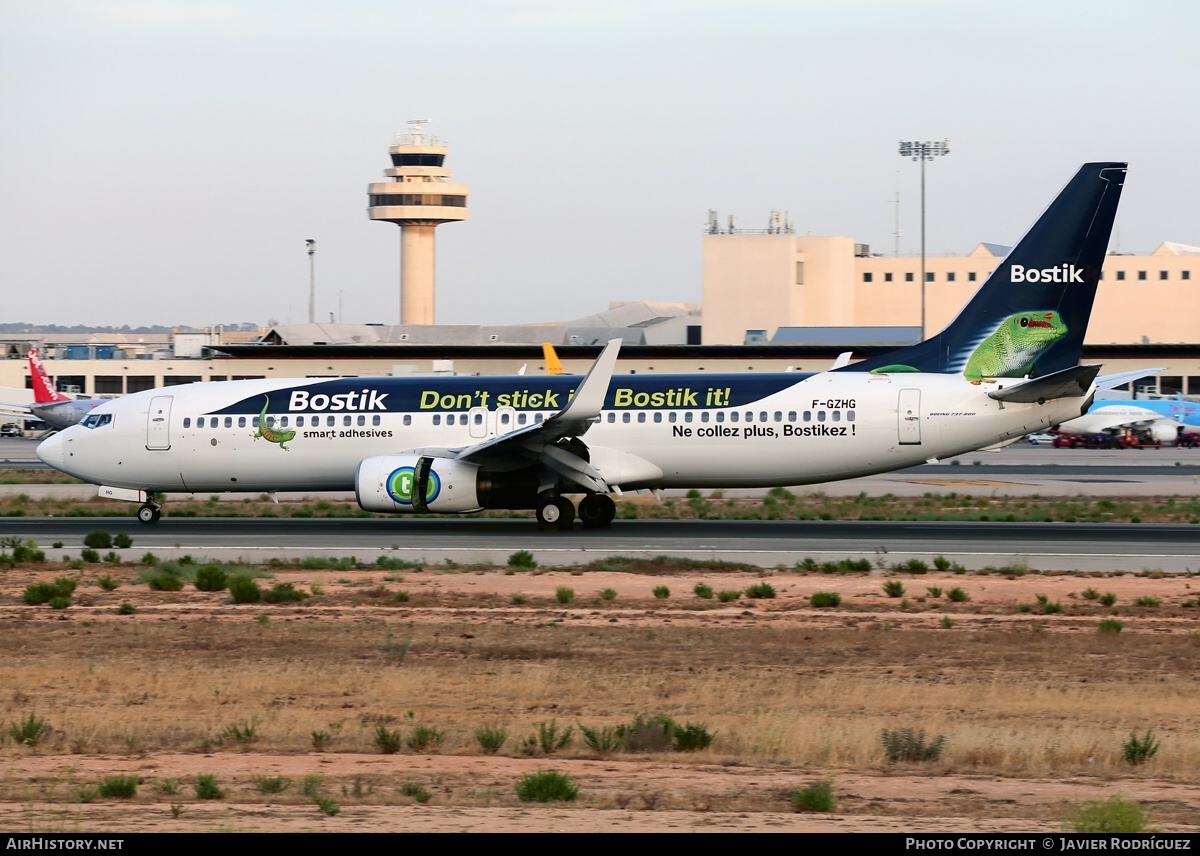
(96, 420)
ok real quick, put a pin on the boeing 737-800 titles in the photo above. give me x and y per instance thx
(1006, 366)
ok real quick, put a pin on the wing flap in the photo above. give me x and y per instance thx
(1074, 382)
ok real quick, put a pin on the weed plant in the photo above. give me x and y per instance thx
(388, 741)
(662, 592)
(817, 797)
(424, 737)
(206, 787)
(522, 560)
(564, 595)
(825, 599)
(29, 731)
(893, 588)
(647, 733)
(602, 740)
(1111, 625)
(546, 786)
(491, 738)
(1139, 750)
(905, 744)
(760, 590)
(1114, 814)
(118, 787)
(416, 791)
(702, 590)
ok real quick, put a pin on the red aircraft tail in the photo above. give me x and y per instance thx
(43, 390)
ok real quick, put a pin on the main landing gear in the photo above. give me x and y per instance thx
(596, 511)
(149, 512)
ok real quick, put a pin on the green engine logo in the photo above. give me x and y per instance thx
(401, 482)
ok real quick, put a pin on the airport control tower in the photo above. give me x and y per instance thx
(418, 198)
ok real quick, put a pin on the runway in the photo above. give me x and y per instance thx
(1040, 546)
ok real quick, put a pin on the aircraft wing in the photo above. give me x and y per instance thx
(1112, 381)
(1102, 420)
(8, 408)
(539, 442)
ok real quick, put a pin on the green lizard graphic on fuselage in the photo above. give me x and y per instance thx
(1012, 349)
(264, 430)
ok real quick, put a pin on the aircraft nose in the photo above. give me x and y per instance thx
(50, 451)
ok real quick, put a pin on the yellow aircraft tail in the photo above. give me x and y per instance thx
(553, 366)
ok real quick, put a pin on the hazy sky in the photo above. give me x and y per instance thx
(164, 162)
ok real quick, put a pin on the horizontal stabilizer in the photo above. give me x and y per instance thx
(1112, 381)
(1068, 383)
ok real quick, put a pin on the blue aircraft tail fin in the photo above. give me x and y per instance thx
(1030, 316)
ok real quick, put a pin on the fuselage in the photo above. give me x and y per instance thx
(698, 430)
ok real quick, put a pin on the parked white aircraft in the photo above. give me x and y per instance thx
(1007, 365)
(1160, 418)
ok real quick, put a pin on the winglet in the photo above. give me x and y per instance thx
(588, 401)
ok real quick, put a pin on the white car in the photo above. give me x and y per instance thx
(1039, 438)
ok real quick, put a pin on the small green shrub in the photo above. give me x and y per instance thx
(563, 594)
(947, 622)
(603, 740)
(957, 595)
(244, 734)
(244, 590)
(211, 578)
(702, 590)
(388, 741)
(549, 737)
(425, 737)
(1114, 814)
(608, 594)
(691, 737)
(1090, 594)
(321, 740)
(1111, 625)
(824, 599)
(271, 784)
(816, 797)
(89, 555)
(522, 560)
(206, 787)
(283, 593)
(904, 744)
(122, 541)
(1139, 750)
(326, 805)
(59, 602)
(728, 596)
(99, 539)
(647, 733)
(763, 590)
(662, 592)
(165, 581)
(29, 731)
(491, 738)
(126, 608)
(546, 786)
(1107, 599)
(118, 787)
(893, 588)
(934, 591)
(416, 791)
(108, 583)
(1146, 600)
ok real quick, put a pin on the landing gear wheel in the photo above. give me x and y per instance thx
(555, 512)
(597, 511)
(149, 513)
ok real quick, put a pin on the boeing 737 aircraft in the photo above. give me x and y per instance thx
(50, 405)
(1006, 366)
(1161, 418)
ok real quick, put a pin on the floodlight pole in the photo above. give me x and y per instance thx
(925, 151)
(312, 280)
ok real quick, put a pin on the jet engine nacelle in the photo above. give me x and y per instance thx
(403, 484)
(1164, 431)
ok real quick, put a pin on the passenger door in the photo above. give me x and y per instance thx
(158, 423)
(908, 415)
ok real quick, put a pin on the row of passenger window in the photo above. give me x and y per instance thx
(734, 416)
(282, 421)
(524, 418)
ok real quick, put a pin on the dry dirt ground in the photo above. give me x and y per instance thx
(1034, 704)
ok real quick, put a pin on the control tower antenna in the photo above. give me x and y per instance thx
(418, 198)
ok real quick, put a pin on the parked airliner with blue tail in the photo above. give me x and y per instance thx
(1006, 366)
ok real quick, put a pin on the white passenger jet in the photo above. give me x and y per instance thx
(1006, 366)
